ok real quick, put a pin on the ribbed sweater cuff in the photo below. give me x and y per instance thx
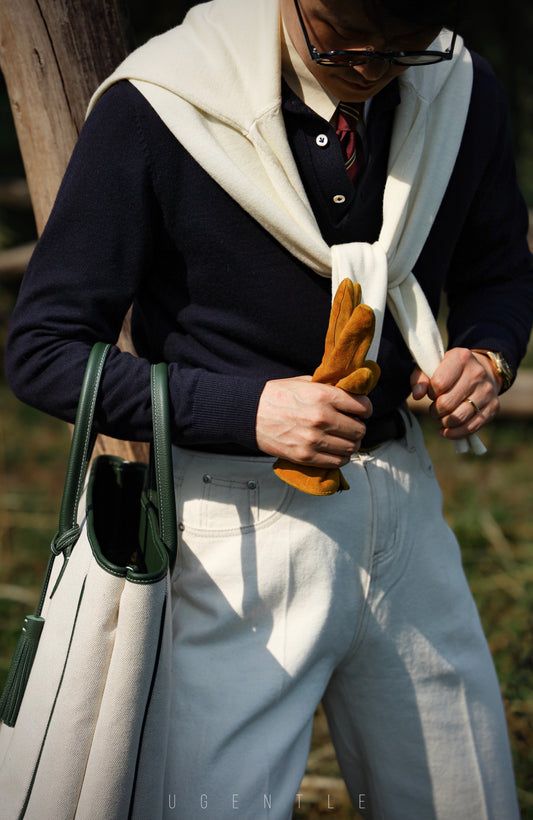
(225, 410)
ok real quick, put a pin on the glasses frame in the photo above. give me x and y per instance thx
(357, 57)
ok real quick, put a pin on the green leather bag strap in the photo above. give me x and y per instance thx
(162, 460)
(80, 450)
(82, 444)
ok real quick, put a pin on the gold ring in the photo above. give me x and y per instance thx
(474, 405)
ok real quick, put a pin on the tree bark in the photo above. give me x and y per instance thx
(53, 55)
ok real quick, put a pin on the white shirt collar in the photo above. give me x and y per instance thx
(302, 82)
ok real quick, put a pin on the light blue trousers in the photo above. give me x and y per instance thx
(282, 600)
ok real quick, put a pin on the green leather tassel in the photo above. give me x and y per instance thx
(19, 671)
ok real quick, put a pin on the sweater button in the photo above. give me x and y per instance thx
(322, 140)
(339, 199)
(207, 479)
(252, 485)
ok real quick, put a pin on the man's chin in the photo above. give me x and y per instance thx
(349, 86)
(350, 91)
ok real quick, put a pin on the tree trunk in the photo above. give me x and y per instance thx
(53, 55)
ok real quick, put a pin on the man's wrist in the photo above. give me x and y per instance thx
(500, 367)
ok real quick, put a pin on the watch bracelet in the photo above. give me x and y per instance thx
(503, 369)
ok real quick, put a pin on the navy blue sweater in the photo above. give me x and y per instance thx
(218, 298)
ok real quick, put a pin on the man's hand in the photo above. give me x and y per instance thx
(310, 423)
(464, 390)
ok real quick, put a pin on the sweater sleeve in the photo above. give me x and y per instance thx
(490, 283)
(99, 244)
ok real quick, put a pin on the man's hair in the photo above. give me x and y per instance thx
(430, 13)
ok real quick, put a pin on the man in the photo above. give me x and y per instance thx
(211, 191)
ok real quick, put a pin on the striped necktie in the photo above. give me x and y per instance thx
(348, 115)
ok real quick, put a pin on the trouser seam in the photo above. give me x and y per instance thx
(361, 621)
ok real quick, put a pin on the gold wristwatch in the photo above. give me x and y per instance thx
(501, 366)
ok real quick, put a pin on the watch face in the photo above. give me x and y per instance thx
(504, 369)
(501, 365)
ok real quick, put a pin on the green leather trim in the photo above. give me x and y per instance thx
(131, 513)
(19, 671)
(122, 522)
(162, 451)
(133, 792)
(82, 439)
(36, 767)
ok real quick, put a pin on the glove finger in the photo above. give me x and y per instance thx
(348, 295)
(310, 480)
(362, 380)
(356, 338)
(350, 351)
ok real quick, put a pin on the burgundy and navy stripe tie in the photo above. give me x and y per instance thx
(348, 115)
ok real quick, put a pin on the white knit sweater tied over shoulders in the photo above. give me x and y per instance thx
(217, 86)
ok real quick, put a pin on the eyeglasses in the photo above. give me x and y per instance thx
(354, 57)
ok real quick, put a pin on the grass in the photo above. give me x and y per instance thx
(487, 502)
(33, 450)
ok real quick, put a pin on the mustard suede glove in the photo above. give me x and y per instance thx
(349, 336)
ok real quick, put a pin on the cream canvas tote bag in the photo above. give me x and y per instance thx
(85, 736)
